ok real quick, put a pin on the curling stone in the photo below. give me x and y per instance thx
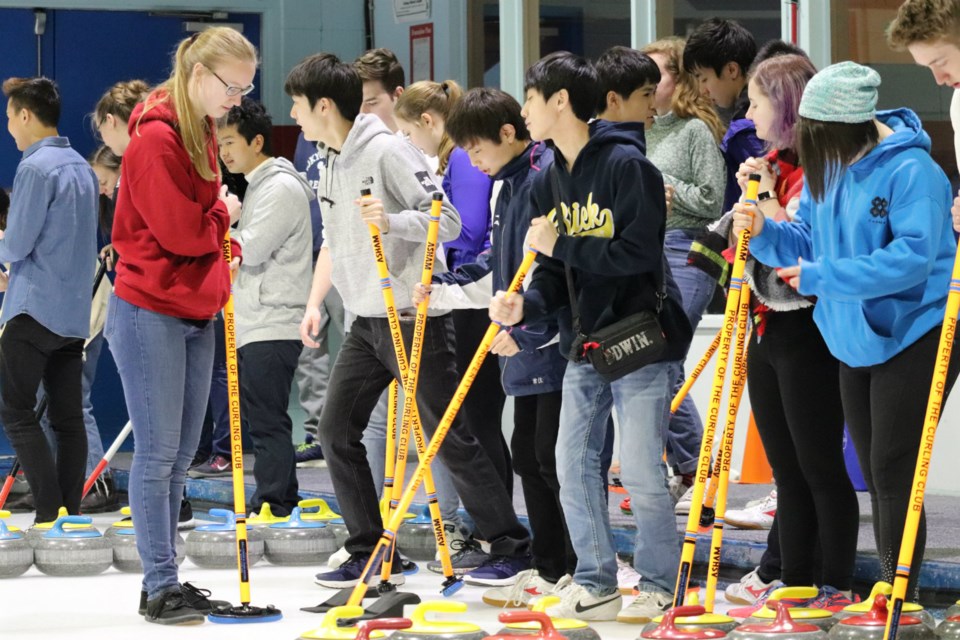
(16, 554)
(325, 514)
(818, 617)
(123, 523)
(423, 629)
(694, 621)
(416, 538)
(885, 588)
(949, 629)
(871, 625)
(214, 546)
(125, 555)
(670, 629)
(37, 531)
(316, 509)
(265, 518)
(783, 627)
(537, 624)
(542, 625)
(297, 542)
(72, 552)
(339, 530)
(330, 628)
(954, 610)
(367, 627)
(385, 511)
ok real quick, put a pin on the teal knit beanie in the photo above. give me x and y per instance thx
(842, 92)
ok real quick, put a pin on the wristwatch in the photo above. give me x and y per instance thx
(766, 195)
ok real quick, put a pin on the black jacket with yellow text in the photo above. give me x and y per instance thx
(615, 220)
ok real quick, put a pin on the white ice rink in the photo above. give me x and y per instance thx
(104, 607)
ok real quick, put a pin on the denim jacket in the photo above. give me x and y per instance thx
(51, 238)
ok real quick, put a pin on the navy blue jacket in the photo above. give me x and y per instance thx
(536, 368)
(308, 160)
(614, 214)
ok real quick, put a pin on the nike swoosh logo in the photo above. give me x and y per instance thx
(580, 609)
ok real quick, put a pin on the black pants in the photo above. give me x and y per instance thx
(365, 366)
(536, 421)
(266, 374)
(482, 409)
(885, 406)
(769, 569)
(31, 354)
(795, 394)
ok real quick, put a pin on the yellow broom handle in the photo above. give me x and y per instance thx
(236, 448)
(935, 400)
(737, 384)
(716, 399)
(688, 383)
(389, 532)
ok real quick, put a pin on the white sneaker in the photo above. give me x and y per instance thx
(578, 603)
(627, 578)
(338, 558)
(645, 607)
(756, 516)
(748, 590)
(682, 508)
(520, 594)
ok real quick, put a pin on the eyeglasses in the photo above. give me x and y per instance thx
(231, 89)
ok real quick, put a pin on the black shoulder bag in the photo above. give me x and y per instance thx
(624, 346)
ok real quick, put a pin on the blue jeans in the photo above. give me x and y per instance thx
(215, 434)
(696, 288)
(91, 356)
(165, 365)
(642, 401)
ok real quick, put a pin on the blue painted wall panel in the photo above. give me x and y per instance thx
(86, 52)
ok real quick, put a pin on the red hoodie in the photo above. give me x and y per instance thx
(169, 223)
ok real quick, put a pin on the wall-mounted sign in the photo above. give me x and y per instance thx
(411, 10)
(421, 52)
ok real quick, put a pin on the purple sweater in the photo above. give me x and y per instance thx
(468, 189)
(739, 143)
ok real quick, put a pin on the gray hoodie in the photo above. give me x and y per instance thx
(397, 173)
(273, 282)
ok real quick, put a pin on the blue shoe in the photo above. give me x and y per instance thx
(498, 571)
(348, 574)
(466, 557)
(309, 454)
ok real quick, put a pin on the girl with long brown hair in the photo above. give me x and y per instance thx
(171, 219)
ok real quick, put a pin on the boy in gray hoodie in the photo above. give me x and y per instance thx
(363, 154)
(270, 294)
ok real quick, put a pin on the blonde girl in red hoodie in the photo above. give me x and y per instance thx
(171, 216)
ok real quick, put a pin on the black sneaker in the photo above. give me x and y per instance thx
(186, 520)
(195, 597)
(102, 498)
(498, 571)
(172, 608)
(348, 574)
(199, 599)
(309, 454)
(467, 556)
(215, 467)
(22, 503)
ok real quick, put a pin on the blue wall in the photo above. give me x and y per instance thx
(80, 54)
(90, 44)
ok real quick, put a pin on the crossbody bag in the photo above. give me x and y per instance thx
(624, 346)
